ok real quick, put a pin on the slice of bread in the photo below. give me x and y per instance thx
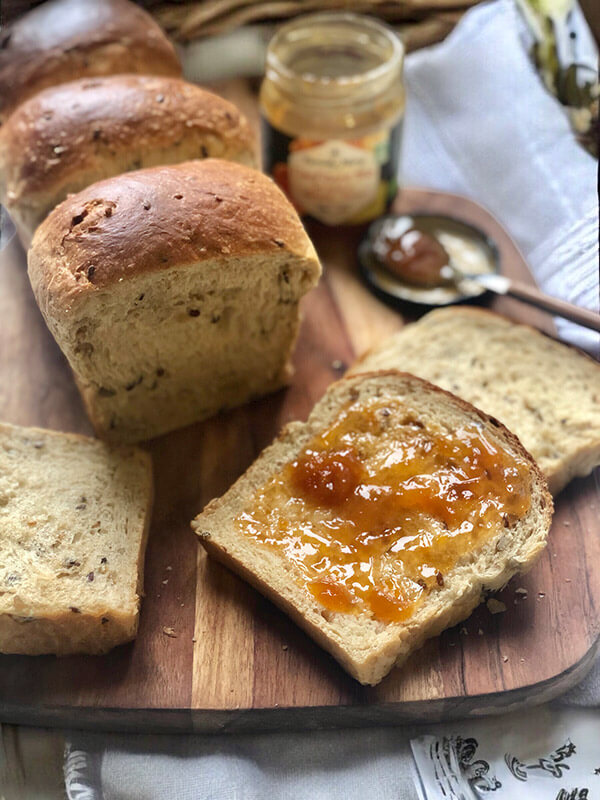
(74, 515)
(365, 640)
(546, 392)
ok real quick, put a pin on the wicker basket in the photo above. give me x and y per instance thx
(422, 21)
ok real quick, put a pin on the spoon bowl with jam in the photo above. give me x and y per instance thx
(426, 258)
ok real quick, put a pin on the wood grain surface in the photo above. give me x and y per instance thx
(236, 662)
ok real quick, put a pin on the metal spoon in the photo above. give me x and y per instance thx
(499, 284)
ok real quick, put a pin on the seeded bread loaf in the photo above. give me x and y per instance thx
(173, 292)
(74, 515)
(361, 637)
(70, 136)
(61, 40)
(546, 392)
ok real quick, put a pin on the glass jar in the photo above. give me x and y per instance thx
(332, 105)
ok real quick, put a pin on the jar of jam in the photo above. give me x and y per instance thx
(332, 105)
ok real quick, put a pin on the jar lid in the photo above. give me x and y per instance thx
(330, 58)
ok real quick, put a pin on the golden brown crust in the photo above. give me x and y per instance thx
(82, 127)
(65, 39)
(155, 219)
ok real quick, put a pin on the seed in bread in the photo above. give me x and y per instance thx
(173, 292)
(61, 40)
(72, 135)
(545, 392)
(379, 522)
(74, 515)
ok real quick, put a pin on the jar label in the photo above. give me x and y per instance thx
(337, 181)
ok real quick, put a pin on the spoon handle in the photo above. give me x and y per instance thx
(529, 294)
(500, 284)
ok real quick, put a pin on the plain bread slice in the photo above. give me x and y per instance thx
(74, 515)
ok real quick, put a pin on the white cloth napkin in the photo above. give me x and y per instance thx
(478, 123)
(318, 765)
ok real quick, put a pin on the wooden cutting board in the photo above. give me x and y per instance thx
(236, 662)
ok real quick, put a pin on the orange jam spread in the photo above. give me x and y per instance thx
(376, 509)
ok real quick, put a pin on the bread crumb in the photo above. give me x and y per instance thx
(182, 605)
(464, 631)
(566, 523)
(284, 647)
(164, 583)
(522, 660)
(480, 632)
(194, 639)
(451, 644)
(567, 580)
(522, 591)
(541, 595)
(170, 632)
(505, 659)
(337, 364)
(169, 568)
(495, 606)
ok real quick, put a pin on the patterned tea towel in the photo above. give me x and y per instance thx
(536, 755)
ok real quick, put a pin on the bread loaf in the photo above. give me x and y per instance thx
(70, 136)
(546, 392)
(61, 40)
(74, 515)
(173, 292)
(378, 522)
